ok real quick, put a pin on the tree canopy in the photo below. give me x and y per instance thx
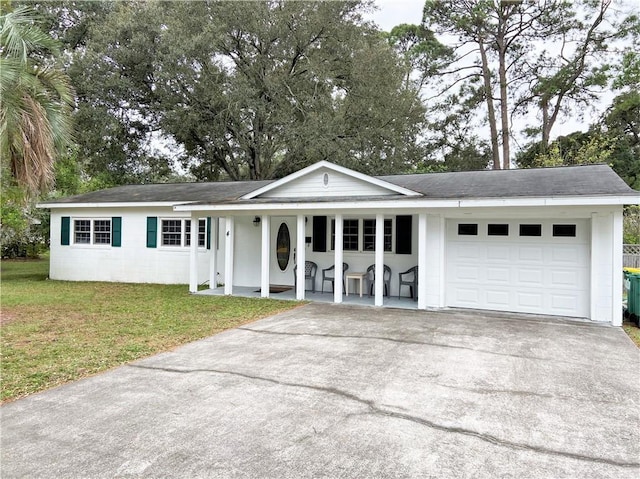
(525, 59)
(240, 89)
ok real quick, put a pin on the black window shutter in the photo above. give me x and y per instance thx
(320, 233)
(152, 231)
(65, 232)
(403, 234)
(208, 232)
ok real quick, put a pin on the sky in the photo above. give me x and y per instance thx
(394, 12)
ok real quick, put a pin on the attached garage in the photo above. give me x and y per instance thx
(542, 241)
(528, 266)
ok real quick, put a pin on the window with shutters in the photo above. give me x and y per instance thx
(360, 235)
(92, 231)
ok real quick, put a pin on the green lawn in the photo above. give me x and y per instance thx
(57, 331)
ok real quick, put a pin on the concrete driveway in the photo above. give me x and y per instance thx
(336, 391)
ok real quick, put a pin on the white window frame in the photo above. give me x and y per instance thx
(92, 232)
(184, 234)
(361, 221)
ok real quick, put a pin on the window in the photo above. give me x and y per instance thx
(349, 235)
(369, 235)
(202, 232)
(82, 232)
(92, 231)
(468, 229)
(177, 232)
(497, 230)
(171, 233)
(530, 230)
(102, 232)
(283, 246)
(564, 230)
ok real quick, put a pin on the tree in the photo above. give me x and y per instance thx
(247, 90)
(35, 113)
(518, 57)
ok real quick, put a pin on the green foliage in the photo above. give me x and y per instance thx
(243, 89)
(35, 112)
(512, 59)
(631, 224)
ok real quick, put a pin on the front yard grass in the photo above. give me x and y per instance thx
(53, 332)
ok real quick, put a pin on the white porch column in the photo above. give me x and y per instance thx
(616, 306)
(228, 255)
(379, 284)
(422, 261)
(337, 260)
(266, 248)
(193, 255)
(213, 254)
(300, 248)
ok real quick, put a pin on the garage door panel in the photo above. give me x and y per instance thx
(565, 303)
(543, 275)
(530, 253)
(498, 299)
(467, 296)
(529, 302)
(565, 254)
(498, 253)
(469, 252)
(531, 276)
(498, 275)
(467, 272)
(565, 279)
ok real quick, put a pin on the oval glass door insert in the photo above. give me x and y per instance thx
(283, 246)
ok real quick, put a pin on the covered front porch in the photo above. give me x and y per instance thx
(256, 252)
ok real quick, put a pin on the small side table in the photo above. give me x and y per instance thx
(355, 276)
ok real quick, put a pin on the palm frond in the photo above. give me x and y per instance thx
(20, 36)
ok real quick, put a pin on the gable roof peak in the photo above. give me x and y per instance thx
(375, 181)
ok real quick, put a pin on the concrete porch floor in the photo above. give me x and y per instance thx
(317, 297)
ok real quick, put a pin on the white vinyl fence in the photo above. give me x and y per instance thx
(631, 255)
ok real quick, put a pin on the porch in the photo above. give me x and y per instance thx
(289, 294)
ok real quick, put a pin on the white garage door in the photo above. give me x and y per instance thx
(524, 266)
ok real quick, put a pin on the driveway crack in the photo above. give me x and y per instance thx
(415, 342)
(379, 411)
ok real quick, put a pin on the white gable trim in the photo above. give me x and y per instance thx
(333, 167)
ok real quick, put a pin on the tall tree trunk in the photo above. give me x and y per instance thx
(504, 110)
(491, 112)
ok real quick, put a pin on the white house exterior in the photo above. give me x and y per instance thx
(543, 241)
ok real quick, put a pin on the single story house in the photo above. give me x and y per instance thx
(544, 241)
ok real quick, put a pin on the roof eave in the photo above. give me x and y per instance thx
(412, 203)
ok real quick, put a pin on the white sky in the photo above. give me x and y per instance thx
(394, 12)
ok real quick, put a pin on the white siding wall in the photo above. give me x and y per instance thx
(312, 185)
(133, 262)
(435, 261)
(605, 296)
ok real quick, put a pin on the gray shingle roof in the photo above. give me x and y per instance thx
(589, 180)
(584, 180)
